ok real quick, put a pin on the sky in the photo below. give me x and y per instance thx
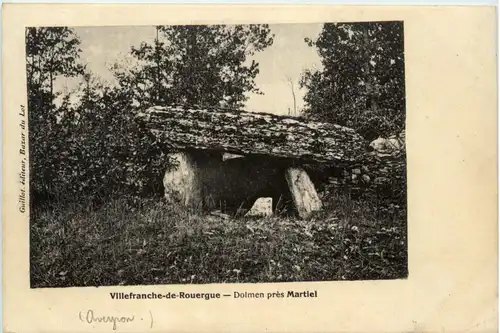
(285, 60)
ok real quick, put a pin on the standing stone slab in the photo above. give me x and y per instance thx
(303, 192)
(181, 182)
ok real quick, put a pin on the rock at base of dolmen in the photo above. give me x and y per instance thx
(303, 192)
(261, 208)
(181, 181)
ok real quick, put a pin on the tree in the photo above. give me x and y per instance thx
(50, 52)
(361, 84)
(196, 65)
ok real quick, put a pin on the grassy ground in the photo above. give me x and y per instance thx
(157, 244)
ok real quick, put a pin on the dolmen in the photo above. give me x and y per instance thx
(225, 160)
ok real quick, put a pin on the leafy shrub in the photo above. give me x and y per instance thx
(100, 151)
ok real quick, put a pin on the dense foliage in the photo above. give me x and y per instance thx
(361, 83)
(106, 152)
(49, 52)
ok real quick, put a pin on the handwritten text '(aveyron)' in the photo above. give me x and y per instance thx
(90, 317)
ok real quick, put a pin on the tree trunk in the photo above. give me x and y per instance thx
(249, 133)
(371, 89)
(51, 86)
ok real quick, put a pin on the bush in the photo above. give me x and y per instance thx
(96, 151)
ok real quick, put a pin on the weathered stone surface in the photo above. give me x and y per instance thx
(261, 207)
(182, 183)
(366, 178)
(217, 213)
(384, 170)
(227, 156)
(246, 155)
(251, 133)
(378, 144)
(381, 180)
(383, 146)
(381, 171)
(303, 192)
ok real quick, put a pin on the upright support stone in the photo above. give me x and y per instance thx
(182, 181)
(303, 192)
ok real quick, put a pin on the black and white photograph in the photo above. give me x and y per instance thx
(202, 154)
